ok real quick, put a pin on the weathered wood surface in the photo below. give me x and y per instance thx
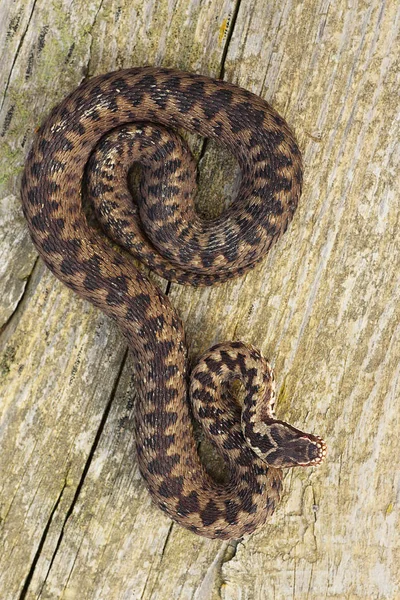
(75, 519)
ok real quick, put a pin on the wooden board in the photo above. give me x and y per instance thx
(75, 519)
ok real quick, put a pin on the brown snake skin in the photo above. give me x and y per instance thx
(162, 228)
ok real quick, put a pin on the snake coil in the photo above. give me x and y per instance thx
(104, 126)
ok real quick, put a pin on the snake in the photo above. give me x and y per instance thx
(84, 152)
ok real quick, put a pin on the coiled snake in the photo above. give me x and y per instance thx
(162, 228)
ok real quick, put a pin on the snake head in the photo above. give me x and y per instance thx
(282, 446)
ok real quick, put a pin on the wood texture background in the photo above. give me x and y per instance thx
(75, 519)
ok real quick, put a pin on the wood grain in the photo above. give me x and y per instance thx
(75, 519)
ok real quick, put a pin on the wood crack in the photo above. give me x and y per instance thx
(21, 298)
(78, 489)
(204, 144)
(166, 540)
(229, 38)
(230, 551)
(87, 73)
(42, 541)
(21, 41)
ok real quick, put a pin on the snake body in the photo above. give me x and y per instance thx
(136, 108)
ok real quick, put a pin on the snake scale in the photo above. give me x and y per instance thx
(95, 134)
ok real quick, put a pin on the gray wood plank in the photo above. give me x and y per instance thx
(75, 518)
